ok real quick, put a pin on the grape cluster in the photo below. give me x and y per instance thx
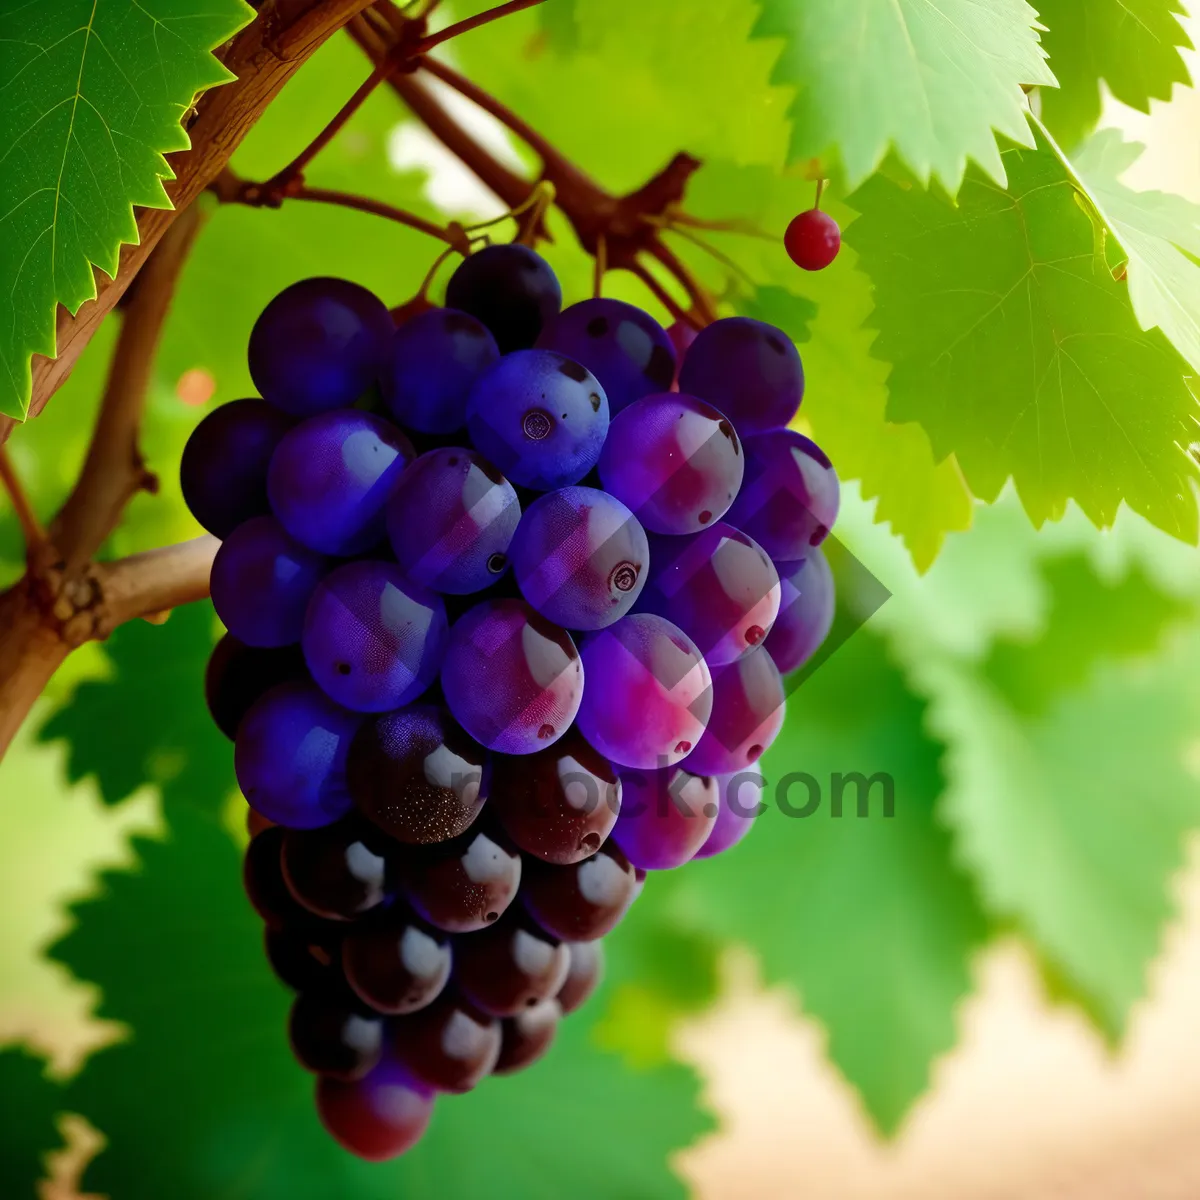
(508, 593)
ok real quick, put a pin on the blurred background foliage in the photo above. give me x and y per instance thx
(1031, 691)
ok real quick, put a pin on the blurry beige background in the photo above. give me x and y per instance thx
(1030, 1106)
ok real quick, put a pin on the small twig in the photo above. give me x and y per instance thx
(453, 235)
(664, 297)
(708, 248)
(31, 527)
(742, 228)
(114, 471)
(484, 18)
(820, 192)
(601, 266)
(700, 299)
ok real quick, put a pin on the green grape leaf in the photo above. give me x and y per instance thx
(1088, 620)
(92, 98)
(1159, 232)
(1132, 45)
(205, 1103)
(29, 1129)
(147, 722)
(783, 309)
(560, 25)
(867, 916)
(931, 79)
(1019, 353)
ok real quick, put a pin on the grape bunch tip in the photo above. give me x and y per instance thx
(509, 591)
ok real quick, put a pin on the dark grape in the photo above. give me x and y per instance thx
(666, 816)
(238, 674)
(261, 583)
(790, 500)
(305, 957)
(373, 639)
(718, 586)
(436, 356)
(747, 715)
(540, 417)
(510, 966)
(511, 289)
(417, 775)
(805, 611)
(332, 1034)
(580, 557)
(223, 470)
(464, 884)
(674, 460)
(624, 347)
(338, 872)
(395, 962)
(525, 1037)
(740, 797)
(318, 345)
(290, 756)
(512, 679)
(331, 478)
(648, 693)
(451, 519)
(262, 875)
(749, 370)
(379, 1116)
(812, 240)
(560, 803)
(450, 1045)
(583, 901)
(584, 973)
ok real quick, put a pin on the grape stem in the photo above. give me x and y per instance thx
(484, 18)
(31, 528)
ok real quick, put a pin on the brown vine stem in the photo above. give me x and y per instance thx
(484, 18)
(114, 470)
(454, 236)
(31, 528)
(145, 585)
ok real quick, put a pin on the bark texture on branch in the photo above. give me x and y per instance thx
(264, 56)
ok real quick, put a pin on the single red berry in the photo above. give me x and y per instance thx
(813, 240)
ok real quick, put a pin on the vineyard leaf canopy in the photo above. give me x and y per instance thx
(1069, 785)
(867, 917)
(28, 1131)
(1159, 233)
(931, 79)
(1018, 352)
(92, 96)
(178, 952)
(1131, 45)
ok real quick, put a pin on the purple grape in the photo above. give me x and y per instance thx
(377, 1117)
(540, 417)
(790, 500)
(584, 973)
(449, 1046)
(261, 583)
(585, 900)
(559, 804)
(332, 1035)
(510, 966)
(436, 357)
(223, 470)
(648, 693)
(372, 639)
(805, 611)
(527, 1036)
(739, 794)
(396, 963)
(666, 816)
(417, 775)
(624, 347)
(747, 715)
(451, 519)
(331, 478)
(290, 757)
(465, 884)
(511, 289)
(718, 586)
(749, 370)
(238, 674)
(512, 680)
(580, 557)
(320, 344)
(338, 872)
(674, 460)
